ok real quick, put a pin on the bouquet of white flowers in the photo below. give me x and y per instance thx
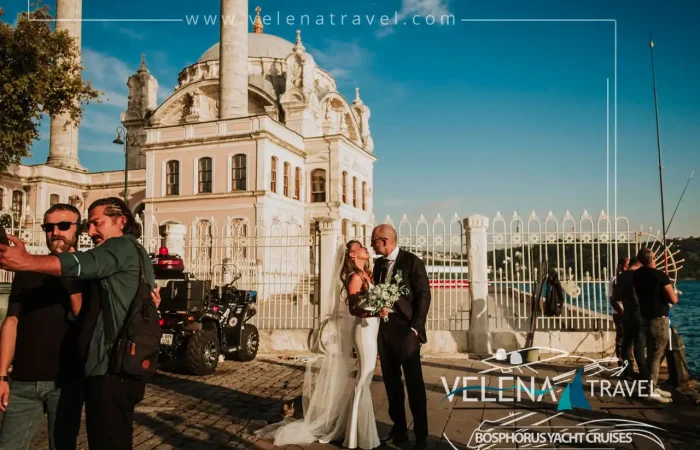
(384, 295)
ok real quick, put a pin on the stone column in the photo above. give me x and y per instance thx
(233, 59)
(479, 339)
(175, 238)
(63, 143)
(330, 237)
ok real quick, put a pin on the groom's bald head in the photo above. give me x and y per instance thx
(384, 239)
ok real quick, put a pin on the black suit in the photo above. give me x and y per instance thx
(399, 347)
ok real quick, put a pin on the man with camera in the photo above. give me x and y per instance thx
(120, 286)
(39, 333)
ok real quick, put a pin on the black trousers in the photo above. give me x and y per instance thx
(109, 410)
(399, 349)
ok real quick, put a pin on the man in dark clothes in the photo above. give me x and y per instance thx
(39, 333)
(617, 307)
(113, 270)
(625, 294)
(655, 292)
(401, 336)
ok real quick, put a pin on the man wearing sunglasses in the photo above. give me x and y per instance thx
(39, 333)
(112, 272)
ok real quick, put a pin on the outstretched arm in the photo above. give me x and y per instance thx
(420, 285)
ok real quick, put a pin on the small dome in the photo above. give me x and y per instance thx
(259, 45)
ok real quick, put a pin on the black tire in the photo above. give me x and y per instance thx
(203, 351)
(250, 342)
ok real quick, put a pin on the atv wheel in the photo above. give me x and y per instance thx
(250, 341)
(203, 352)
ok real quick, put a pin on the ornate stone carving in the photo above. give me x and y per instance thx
(76, 201)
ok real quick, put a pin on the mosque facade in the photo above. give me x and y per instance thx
(255, 134)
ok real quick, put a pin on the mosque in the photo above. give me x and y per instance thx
(254, 134)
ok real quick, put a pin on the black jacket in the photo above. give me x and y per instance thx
(412, 308)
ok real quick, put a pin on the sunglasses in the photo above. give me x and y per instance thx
(63, 226)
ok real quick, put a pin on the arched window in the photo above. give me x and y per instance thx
(345, 187)
(273, 174)
(17, 205)
(346, 229)
(318, 186)
(205, 167)
(354, 192)
(287, 174)
(53, 199)
(364, 196)
(238, 173)
(297, 183)
(172, 178)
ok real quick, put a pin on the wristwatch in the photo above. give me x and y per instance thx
(4, 378)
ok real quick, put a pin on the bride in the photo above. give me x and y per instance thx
(338, 405)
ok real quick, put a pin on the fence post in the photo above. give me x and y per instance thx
(477, 256)
(330, 237)
(175, 238)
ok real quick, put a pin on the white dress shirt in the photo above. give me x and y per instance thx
(390, 262)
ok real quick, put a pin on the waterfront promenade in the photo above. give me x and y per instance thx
(223, 410)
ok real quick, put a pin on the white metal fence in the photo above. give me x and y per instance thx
(279, 261)
(584, 251)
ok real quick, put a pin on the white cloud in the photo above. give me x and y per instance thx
(132, 34)
(93, 146)
(342, 58)
(105, 71)
(100, 122)
(423, 8)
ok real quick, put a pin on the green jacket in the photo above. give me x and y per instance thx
(114, 263)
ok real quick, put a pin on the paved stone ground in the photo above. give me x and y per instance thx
(223, 410)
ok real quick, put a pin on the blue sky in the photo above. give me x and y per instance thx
(472, 117)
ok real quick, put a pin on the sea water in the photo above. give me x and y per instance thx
(685, 318)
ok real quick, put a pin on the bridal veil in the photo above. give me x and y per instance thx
(329, 378)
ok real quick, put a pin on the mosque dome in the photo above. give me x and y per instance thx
(259, 46)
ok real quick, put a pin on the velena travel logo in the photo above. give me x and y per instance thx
(567, 391)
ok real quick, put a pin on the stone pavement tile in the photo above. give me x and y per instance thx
(459, 431)
(223, 410)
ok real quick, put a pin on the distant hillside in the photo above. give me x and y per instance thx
(690, 251)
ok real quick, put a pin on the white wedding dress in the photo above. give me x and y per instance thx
(357, 424)
(337, 403)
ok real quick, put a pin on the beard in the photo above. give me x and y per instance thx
(61, 243)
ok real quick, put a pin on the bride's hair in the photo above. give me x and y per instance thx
(349, 267)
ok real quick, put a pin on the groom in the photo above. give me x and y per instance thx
(401, 336)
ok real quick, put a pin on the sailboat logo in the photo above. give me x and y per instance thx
(573, 395)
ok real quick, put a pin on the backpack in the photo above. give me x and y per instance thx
(135, 348)
(554, 299)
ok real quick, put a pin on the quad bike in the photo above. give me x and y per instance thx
(200, 324)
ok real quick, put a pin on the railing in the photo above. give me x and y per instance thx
(582, 252)
(279, 261)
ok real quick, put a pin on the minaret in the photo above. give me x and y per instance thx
(233, 59)
(63, 146)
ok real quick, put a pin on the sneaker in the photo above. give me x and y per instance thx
(657, 397)
(663, 393)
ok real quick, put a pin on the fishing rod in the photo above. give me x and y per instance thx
(679, 200)
(658, 145)
(661, 181)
